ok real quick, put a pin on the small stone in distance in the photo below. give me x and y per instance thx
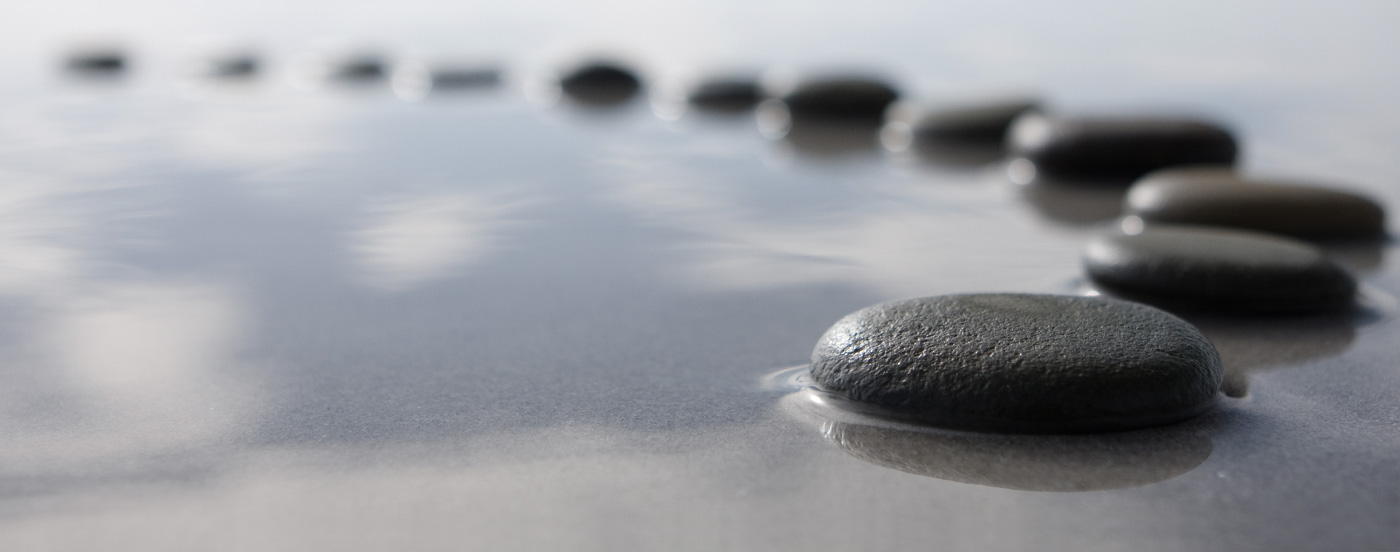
(841, 99)
(1019, 363)
(1117, 147)
(729, 94)
(982, 123)
(600, 83)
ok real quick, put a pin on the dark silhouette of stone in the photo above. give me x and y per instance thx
(1120, 147)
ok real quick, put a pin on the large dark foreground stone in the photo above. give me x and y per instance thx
(1021, 363)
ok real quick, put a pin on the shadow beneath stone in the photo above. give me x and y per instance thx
(1363, 256)
(1080, 202)
(1251, 343)
(1049, 463)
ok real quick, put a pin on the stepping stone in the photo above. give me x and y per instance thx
(726, 94)
(454, 77)
(853, 99)
(1019, 363)
(979, 124)
(1217, 197)
(600, 83)
(1118, 147)
(97, 61)
(231, 66)
(1219, 269)
(359, 68)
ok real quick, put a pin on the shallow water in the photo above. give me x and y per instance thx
(277, 315)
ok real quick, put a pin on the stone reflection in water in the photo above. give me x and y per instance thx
(813, 137)
(1247, 344)
(899, 138)
(958, 136)
(1364, 256)
(1079, 202)
(1054, 463)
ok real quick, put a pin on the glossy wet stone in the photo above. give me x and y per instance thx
(1222, 198)
(1219, 269)
(1118, 147)
(600, 82)
(840, 98)
(725, 94)
(1019, 363)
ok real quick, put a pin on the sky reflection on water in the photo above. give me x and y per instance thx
(317, 316)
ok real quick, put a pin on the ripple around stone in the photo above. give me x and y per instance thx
(1019, 363)
(1120, 147)
(1046, 463)
(1222, 198)
(1218, 269)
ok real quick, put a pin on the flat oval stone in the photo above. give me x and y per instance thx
(1222, 198)
(97, 60)
(601, 82)
(1020, 363)
(1219, 269)
(726, 94)
(985, 123)
(840, 98)
(1126, 147)
(359, 68)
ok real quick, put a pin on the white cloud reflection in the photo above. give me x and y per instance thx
(409, 242)
(900, 237)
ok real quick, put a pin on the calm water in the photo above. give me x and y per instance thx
(280, 316)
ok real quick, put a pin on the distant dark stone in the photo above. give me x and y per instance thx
(99, 61)
(855, 99)
(726, 94)
(460, 78)
(1222, 198)
(1019, 363)
(360, 68)
(1219, 269)
(971, 124)
(600, 83)
(1119, 147)
(236, 66)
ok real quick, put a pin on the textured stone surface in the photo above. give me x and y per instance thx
(1123, 147)
(842, 98)
(1219, 269)
(600, 82)
(1023, 363)
(1223, 198)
